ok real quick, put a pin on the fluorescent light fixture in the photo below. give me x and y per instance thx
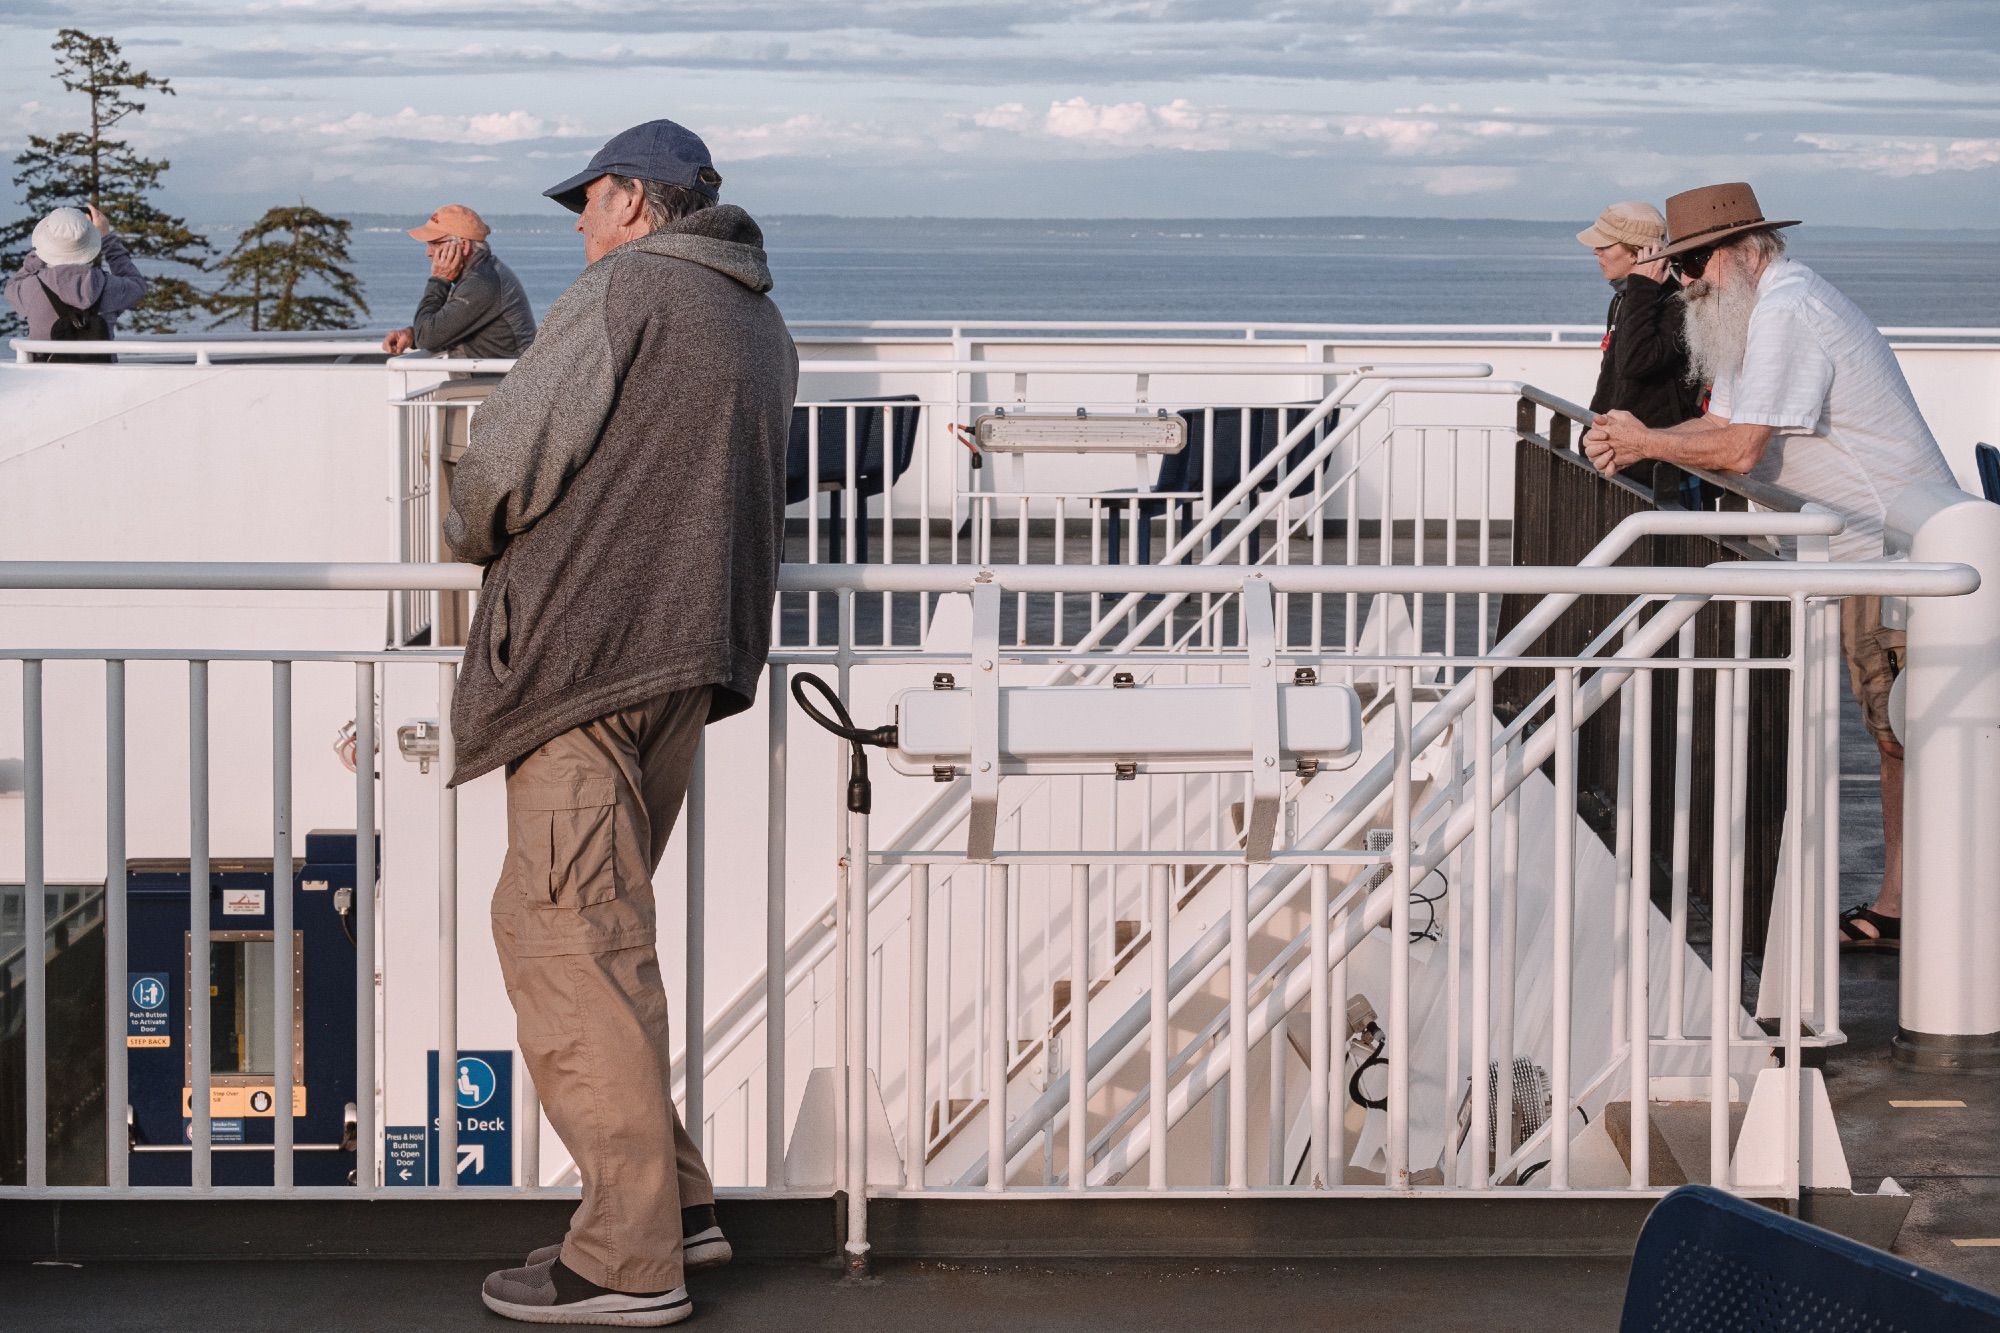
(1079, 433)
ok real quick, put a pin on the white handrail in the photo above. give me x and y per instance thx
(1750, 578)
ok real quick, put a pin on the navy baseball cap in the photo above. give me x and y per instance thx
(658, 150)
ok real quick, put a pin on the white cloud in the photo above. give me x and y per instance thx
(1183, 125)
(1905, 157)
(492, 127)
(1013, 116)
(1449, 181)
(1399, 135)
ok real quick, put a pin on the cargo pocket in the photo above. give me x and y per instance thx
(576, 827)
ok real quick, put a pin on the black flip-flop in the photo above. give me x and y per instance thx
(1888, 930)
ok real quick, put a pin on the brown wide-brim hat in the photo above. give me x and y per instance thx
(1711, 215)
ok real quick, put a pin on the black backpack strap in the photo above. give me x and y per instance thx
(71, 325)
(63, 309)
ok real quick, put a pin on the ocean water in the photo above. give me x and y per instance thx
(1317, 270)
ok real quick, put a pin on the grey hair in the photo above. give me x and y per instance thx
(1769, 244)
(667, 204)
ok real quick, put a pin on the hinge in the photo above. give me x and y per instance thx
(1308, 767)
(943, 773)
(1305, 676)
(1122, 680)
(943, 680)
(1128, 769)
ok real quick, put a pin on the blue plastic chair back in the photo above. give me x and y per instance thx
(1710, 1261)
(871, 476)
(1989, 470)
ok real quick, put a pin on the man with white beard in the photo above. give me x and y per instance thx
(1806, 395)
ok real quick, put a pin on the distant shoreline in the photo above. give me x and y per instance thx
(554, 221)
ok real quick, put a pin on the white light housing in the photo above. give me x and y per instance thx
(1076, 433)
(1149, 728)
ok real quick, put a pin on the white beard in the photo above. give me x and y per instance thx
(1717, 327)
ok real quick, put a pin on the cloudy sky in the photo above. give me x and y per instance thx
(1855, 111)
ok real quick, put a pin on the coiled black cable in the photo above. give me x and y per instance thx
(860, 794)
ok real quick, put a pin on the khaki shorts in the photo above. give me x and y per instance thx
(1874, 660)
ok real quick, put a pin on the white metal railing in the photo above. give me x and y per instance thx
(832, 482)
(1443, 798)
(970, 333)
(1335, 490)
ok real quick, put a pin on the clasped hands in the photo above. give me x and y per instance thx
(1614, 441)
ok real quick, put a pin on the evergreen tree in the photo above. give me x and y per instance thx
(286, 249)
(78, 167)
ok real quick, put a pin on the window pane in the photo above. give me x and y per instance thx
(240, 1010)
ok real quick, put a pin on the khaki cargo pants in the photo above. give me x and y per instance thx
(588, 815)
(1874, 660)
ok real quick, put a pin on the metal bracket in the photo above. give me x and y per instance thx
(983, 818)
(1267, 787)
(418, 742)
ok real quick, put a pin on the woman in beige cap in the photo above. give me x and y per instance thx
(1645, 366)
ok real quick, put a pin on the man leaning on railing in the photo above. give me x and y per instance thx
(625, 490)
(1807, 394)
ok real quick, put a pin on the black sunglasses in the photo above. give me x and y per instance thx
(1692, 264)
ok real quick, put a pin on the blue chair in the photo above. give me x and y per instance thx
(1711, 1261)
(1191, 470)
(888, 441)
(1989, 470)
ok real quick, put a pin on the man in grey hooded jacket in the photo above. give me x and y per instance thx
(624, 489)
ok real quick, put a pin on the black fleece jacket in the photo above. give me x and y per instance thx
(1645, 356)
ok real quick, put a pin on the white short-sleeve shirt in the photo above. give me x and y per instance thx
(1846, 429)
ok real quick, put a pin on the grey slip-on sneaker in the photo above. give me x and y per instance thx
(704, 1250)
(548, 1293)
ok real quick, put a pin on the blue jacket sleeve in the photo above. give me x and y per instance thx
(124, 285)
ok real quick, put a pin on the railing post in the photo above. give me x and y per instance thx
(1638, 920)
(35, 925)
(1398, 1176)
(776, 934)
(695, 1061)
(447, 937)
(282, 959)
(996, 1026)
(198, 1010)
(855, 886)
(364, 925)
(1079, 1026)
(916, 1078)
(1562, 910)
(1949, 996)
(117, 1141)
(1319, 1094)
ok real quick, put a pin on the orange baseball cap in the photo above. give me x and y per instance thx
(452, 220)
